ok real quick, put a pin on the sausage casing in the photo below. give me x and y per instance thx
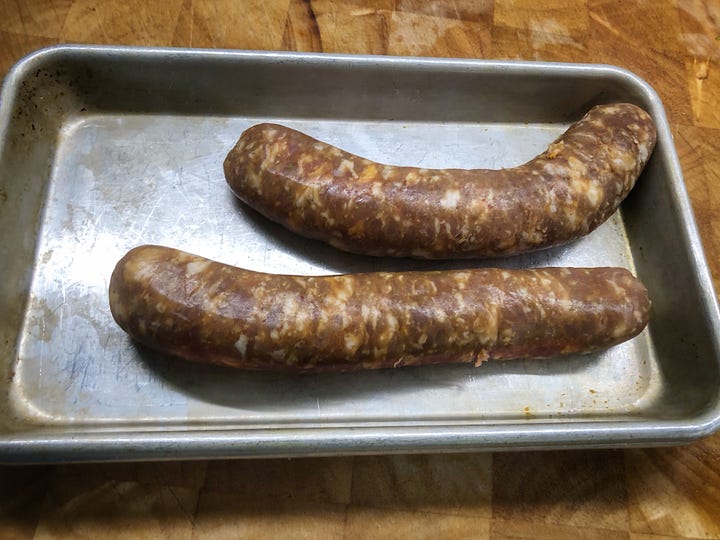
(207, 311)
(357, 205)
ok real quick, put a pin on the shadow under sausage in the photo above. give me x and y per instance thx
(276, 391)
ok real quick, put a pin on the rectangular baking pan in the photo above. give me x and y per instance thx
(106, 148)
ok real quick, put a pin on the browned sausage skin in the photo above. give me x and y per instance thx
(207, 311)
(356, 205)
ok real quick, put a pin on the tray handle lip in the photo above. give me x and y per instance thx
(349, 441)
(34, 59)
(520, 66)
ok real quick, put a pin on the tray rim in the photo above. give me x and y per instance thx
(95, 445)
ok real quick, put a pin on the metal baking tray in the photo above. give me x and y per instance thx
(105, 148)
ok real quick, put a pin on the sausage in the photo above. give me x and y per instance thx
(356, 205)
(206, 311)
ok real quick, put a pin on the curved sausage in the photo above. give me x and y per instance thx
(356, 205)
(207, 311)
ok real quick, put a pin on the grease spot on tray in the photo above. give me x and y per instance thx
(43, 319)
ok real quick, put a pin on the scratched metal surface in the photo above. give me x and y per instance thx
(123, 176)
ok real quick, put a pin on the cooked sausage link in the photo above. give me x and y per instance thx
(356, 205)
(207, 311)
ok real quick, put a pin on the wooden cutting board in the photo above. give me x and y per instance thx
(634, 494)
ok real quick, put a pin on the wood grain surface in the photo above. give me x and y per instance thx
(631, 494)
